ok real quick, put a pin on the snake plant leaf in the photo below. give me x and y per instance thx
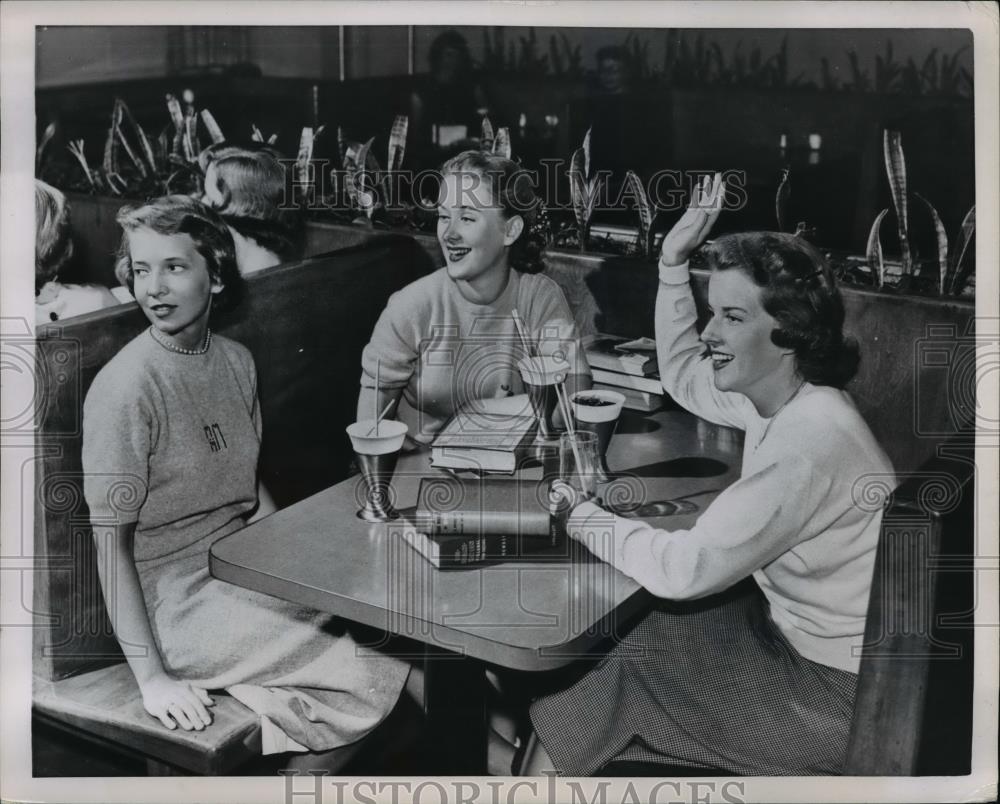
(304, 157)
(255, 135)
(942, 244)
(635, 186)
(873, 252)
(75, 147)
(397, 142)
(342, 145)
(895, 167)
(781, 199)
(144, 145)
(177, 117)
(130, 153)
(43, 143)
(578, 193)
(110, 163)
(501, 145)
(190, 149)
(212, 127)
(486, 136)
(585, 148)
(959, 273)
(365, 198)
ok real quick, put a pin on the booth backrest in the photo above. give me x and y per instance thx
(305, 323)
(916, 382)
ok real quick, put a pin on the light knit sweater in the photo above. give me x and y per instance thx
(803, 518)
(444, 351)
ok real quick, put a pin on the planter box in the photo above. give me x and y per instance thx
(96, 237)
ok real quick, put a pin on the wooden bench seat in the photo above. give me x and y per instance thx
(305, 324)
(105, 705)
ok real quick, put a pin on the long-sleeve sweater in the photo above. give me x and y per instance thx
(803, 518)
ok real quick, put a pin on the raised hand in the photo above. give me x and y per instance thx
(694, 225)
(177, 703)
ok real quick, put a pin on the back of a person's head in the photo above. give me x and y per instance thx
(251, 182)
(53, 237)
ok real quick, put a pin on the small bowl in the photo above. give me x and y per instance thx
(389, 439)
(597, 413)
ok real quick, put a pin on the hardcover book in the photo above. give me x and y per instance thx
(483, 442)
(614, 353)
(650, 384)
(477, 521)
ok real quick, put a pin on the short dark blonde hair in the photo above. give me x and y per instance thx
(53, 237)
(253, 183)
(512, 189)
(181, 214)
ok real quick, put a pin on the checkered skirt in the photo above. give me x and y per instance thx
(713, 686)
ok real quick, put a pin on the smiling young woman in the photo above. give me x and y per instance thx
(448, 339)
(760, 683)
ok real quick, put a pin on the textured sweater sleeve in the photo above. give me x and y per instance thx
(684, 374)
(553, 328)
(393, 350)
(117, 440)
(750, 524)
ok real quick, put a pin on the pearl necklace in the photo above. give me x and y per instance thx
(180, 349)
(770, 421)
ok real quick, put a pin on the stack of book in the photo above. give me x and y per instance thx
(465, 522)
(483, 442)
(628, 367)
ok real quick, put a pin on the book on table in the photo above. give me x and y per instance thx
(650, 384)
(483, 442)
(614, 353)
(463, 522)
(641, 401)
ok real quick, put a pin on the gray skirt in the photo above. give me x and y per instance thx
(714, 686)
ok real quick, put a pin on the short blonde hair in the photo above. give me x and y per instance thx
(53, 238)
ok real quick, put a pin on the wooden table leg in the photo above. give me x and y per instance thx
(455, 711)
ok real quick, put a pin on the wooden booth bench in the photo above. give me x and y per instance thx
(306, 324)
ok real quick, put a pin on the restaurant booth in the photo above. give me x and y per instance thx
(307, 321)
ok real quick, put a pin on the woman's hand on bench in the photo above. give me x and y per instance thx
(177, 703)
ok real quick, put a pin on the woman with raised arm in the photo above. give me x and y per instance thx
(171, 439)
(449, 338)
(761, 683)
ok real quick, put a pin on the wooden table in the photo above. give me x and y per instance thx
(524, 616)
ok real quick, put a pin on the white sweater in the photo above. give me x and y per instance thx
(803, 518)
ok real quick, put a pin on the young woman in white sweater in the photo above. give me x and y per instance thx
(761, 683)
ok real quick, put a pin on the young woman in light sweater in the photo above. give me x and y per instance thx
(448, 340)
(761, 683)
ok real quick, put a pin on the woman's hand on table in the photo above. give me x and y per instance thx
(563, 499)
(177, 703)
(693, 227)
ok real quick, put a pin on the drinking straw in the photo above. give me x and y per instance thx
(520, 331)
(382, 415)
(378, 386)
(564, 404)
